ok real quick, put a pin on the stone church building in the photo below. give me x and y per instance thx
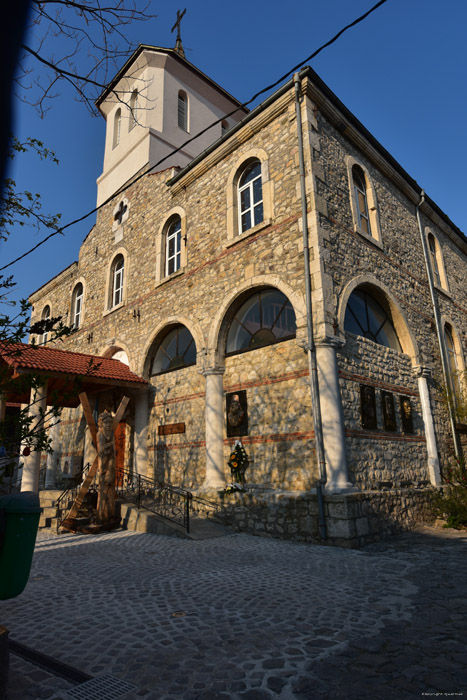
(194, 276)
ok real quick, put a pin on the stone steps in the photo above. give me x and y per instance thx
(138, 520)
(144, 521)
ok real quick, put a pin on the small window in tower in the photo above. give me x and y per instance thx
(77, 306)
(183, 111)
(45, 317)
(134, 105)
(117, 127)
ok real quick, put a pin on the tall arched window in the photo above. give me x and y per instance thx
(266, 317)
(359, 184)
(134, 105)
(118, 271)
(183, 110)
(454, 367)
(77, 306)
(45, 317)
(173, 246)
(367, 317)
(176, 350)
(250, 197)
(117, 127)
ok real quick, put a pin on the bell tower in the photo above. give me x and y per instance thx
(156, 102)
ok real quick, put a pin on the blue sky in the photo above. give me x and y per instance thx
(402, 72)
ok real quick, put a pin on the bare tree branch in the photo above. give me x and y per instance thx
(63, 33)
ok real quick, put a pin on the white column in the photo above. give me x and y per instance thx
(423, 373)
(214, 414)
(332, 416)
(141, 433)
(31, 468)
(53, 457)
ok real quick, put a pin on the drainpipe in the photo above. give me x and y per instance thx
(439, 331)
(311, 349)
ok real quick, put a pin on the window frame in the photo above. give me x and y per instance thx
(76, 296)
(385, 308)
(249, 187)
(241, 303)
(45, 316)
(175, 328)
(117, 130)
(370, 202)
(173, 232)
(133, 107)
(182, 111)
(436, 258)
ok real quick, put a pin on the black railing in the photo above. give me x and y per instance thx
(164, 500)
(68, 496)
(206, 509)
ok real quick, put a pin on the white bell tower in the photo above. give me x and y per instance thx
(155, 103)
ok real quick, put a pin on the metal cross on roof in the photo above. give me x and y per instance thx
(178, 43)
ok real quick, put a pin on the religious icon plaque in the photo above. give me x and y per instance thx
(406, 414)
(237, 414)
(389, 411)
(368, 406)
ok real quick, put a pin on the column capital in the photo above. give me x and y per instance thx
(420, 371)
(329, 341)
(216, 369)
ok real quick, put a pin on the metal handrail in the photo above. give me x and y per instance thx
(164, 500)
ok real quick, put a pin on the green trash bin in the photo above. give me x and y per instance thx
(19, 521)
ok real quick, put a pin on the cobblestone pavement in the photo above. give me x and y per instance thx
(245, 618)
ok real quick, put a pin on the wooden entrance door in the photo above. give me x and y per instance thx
(120, 435)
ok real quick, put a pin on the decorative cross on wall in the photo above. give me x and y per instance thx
(119, 214)
(177, 23)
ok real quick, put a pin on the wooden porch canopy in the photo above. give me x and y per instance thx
(67, 373)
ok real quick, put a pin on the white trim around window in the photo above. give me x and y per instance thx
(363, 201)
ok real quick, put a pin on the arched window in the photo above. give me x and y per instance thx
(45, 317)
(367, 317)
(117, 127)
(359, 184)
(176, 350)
(173, 246)
(437, 263)
(118, 271)
(452, 359)
(266, 317)
(183, 110)
(250, 197)
(77, 306)
(134, 104)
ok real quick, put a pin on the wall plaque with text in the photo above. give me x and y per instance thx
(171, 429)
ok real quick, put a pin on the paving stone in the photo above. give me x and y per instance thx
(112, 607)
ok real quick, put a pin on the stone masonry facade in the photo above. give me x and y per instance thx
(221, 267)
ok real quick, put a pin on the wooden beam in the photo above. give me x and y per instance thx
(89, 417)
(120, 411)
(83, 490)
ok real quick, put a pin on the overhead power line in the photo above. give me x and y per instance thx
(200, 133)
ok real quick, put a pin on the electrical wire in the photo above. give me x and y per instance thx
(200, 133)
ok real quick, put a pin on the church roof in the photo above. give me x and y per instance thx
(175, 55)
(38, 358)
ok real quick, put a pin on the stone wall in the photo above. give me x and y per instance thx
(219, 269)
(352, 520)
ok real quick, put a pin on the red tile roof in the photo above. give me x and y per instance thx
(50, 359)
